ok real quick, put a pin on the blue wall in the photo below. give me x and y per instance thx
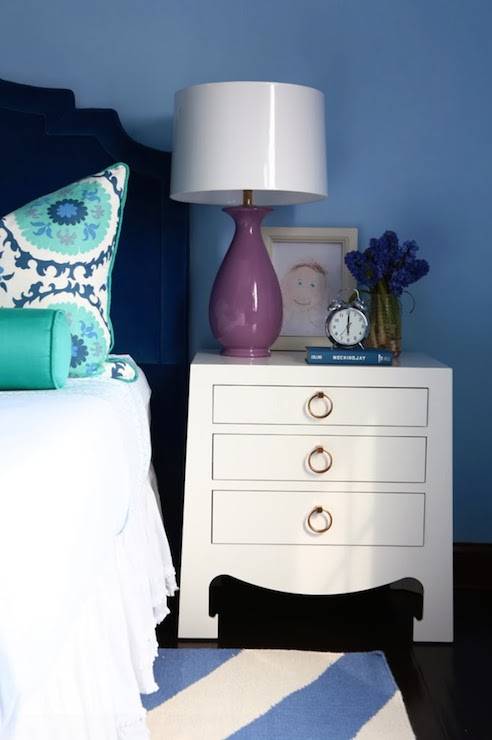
(409, 115)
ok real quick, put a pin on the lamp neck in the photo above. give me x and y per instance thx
(248, 219)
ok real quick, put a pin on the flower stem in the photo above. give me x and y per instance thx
(385, 331)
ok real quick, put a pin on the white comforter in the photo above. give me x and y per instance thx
(84, 564)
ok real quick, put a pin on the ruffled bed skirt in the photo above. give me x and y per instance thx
(92, 687)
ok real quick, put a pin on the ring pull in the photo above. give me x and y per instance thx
(328, 405)
(319, 451)
(329, 520)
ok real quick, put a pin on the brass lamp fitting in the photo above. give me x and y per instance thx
(247, 198)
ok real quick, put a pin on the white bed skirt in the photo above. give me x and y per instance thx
(92, 689)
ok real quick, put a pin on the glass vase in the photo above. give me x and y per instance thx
(385, 322)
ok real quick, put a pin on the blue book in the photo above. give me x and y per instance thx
(334, 356)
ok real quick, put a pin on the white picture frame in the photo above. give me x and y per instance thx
(310, 265)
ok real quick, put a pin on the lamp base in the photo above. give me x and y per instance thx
(250, 353)
(245, 308)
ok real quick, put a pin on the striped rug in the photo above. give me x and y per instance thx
(275, 695)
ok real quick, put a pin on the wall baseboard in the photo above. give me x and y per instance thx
(472, 565)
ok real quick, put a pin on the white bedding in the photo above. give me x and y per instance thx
(85, 567)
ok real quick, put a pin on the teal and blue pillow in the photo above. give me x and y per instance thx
(58, 252)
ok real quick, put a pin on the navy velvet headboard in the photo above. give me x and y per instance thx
(45, 143)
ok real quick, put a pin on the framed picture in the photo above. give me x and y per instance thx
(310, 266)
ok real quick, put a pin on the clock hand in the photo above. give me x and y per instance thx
(348, 323)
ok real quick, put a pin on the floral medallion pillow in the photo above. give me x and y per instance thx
(58, 252)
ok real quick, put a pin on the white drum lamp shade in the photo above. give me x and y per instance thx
(268, 137)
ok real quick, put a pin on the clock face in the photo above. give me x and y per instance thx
(347, 327)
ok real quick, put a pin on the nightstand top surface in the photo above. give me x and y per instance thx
(296, 359)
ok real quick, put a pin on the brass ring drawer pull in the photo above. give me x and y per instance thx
(328, 517)
(319, 451)
(328, 405)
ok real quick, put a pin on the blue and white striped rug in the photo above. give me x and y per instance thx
(275, 695)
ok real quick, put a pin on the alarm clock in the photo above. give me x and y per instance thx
(347, 323)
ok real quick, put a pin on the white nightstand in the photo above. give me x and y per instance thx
(277, 449)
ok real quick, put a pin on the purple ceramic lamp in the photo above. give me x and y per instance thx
(248, 145)
(245, 309)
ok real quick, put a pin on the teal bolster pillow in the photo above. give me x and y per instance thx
(35, 349)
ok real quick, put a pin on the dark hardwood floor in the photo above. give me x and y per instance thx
(446, 688)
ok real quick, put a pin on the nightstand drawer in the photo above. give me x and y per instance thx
(289, 518)
(285, 457)
(359, 406)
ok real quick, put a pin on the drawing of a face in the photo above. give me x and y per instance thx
(304, 287)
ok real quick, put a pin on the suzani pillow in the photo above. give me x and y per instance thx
(58, 252)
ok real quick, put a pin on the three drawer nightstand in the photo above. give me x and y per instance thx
(318, 480)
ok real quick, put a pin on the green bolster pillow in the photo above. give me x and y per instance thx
(35, 349)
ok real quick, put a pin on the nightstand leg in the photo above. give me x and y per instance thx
(194, 620)
(436, 624)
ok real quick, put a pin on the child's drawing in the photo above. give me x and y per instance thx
(310, 277)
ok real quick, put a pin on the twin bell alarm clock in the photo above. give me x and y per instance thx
(347, 323)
